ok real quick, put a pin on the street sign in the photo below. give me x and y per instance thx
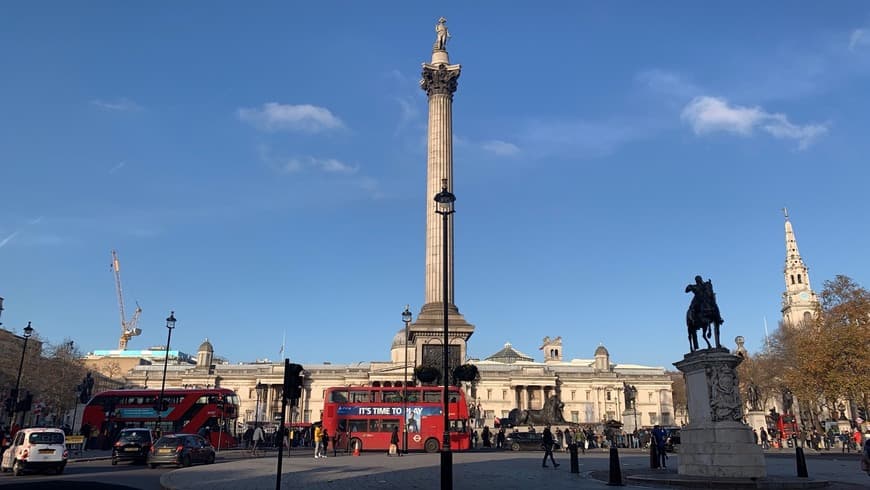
(75, 439)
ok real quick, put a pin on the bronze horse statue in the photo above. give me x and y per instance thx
(702, 313)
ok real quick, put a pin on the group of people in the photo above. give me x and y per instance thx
(814, 439)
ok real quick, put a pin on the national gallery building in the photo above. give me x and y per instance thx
(591, 389)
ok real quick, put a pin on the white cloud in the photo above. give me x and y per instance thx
(858, 37)
(118, 166)
(8, 239)
(711, 114)
(286, 117)
(668, 83)
(500, 148)
(325, 165)
(120, 104)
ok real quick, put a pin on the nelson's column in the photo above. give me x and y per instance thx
(426, 334)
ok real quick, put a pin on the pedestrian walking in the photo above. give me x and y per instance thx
(318, 444)
(258, 437)
(659, 437)
(549, 442)
(324, 439)
(765, 439)
(394, 442)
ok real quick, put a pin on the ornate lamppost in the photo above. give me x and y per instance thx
(406, 317)
(444, 207)
(170, 324)
(28, 331)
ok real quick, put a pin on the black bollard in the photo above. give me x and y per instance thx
(575, 465)
(615, 470)
(653, 457)
(801, 462)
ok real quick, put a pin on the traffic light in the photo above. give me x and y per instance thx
(25, 404)
(292, 381)
(862, 413)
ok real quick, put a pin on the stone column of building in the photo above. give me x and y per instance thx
(440, 81)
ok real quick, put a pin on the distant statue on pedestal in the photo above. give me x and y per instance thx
(753, 398)
(702, 312)
(787, 401)
(442, 35)
(630, 395)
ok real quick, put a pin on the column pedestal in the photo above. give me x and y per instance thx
(716, 442)
(756, 420)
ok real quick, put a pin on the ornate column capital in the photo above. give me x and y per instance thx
(440, 80)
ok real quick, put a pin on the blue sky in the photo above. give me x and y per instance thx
(261, 169)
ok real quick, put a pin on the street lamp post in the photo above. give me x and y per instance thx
(406, 317)
(170, 324)
(444, 207)
(1, 308)
(28, 331)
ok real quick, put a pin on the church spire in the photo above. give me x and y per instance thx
(799, 302)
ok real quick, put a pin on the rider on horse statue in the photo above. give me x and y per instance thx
(702, 312)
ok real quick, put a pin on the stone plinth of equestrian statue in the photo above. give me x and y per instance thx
(716, 443)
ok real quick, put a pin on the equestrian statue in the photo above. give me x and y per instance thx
(702, 313)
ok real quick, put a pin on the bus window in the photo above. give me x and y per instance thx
(388, 424)
(457, 426)
(431, 396)
(391, 396)
(413, 396)
(358, 425)
(361, 397)
(338, 396)
(373, 425)
(342, 425)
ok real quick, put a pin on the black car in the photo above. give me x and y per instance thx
(182, 450)
(524, 440)
(132, 445)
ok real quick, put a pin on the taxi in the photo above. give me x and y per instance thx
(36, 449)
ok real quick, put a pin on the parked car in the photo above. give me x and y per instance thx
(524, 440)
(672, 440)
(36, 449)
(133, 445)
(182, 450)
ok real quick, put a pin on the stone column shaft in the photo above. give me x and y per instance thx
(440, 166)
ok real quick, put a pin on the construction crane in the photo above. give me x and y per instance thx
(128, 329)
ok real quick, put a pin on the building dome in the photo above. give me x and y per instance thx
(509, 355)
(206, 347)
(601, 351)
(399, 339)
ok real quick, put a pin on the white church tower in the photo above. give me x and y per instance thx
(799, 302)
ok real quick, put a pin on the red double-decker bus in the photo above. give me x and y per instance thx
(184, 411)
(364, 417)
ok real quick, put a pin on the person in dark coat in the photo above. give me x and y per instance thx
(549, 442)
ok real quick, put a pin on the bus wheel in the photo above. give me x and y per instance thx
(431, 445)
(355, 444)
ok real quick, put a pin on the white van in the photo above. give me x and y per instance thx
(36, 449)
